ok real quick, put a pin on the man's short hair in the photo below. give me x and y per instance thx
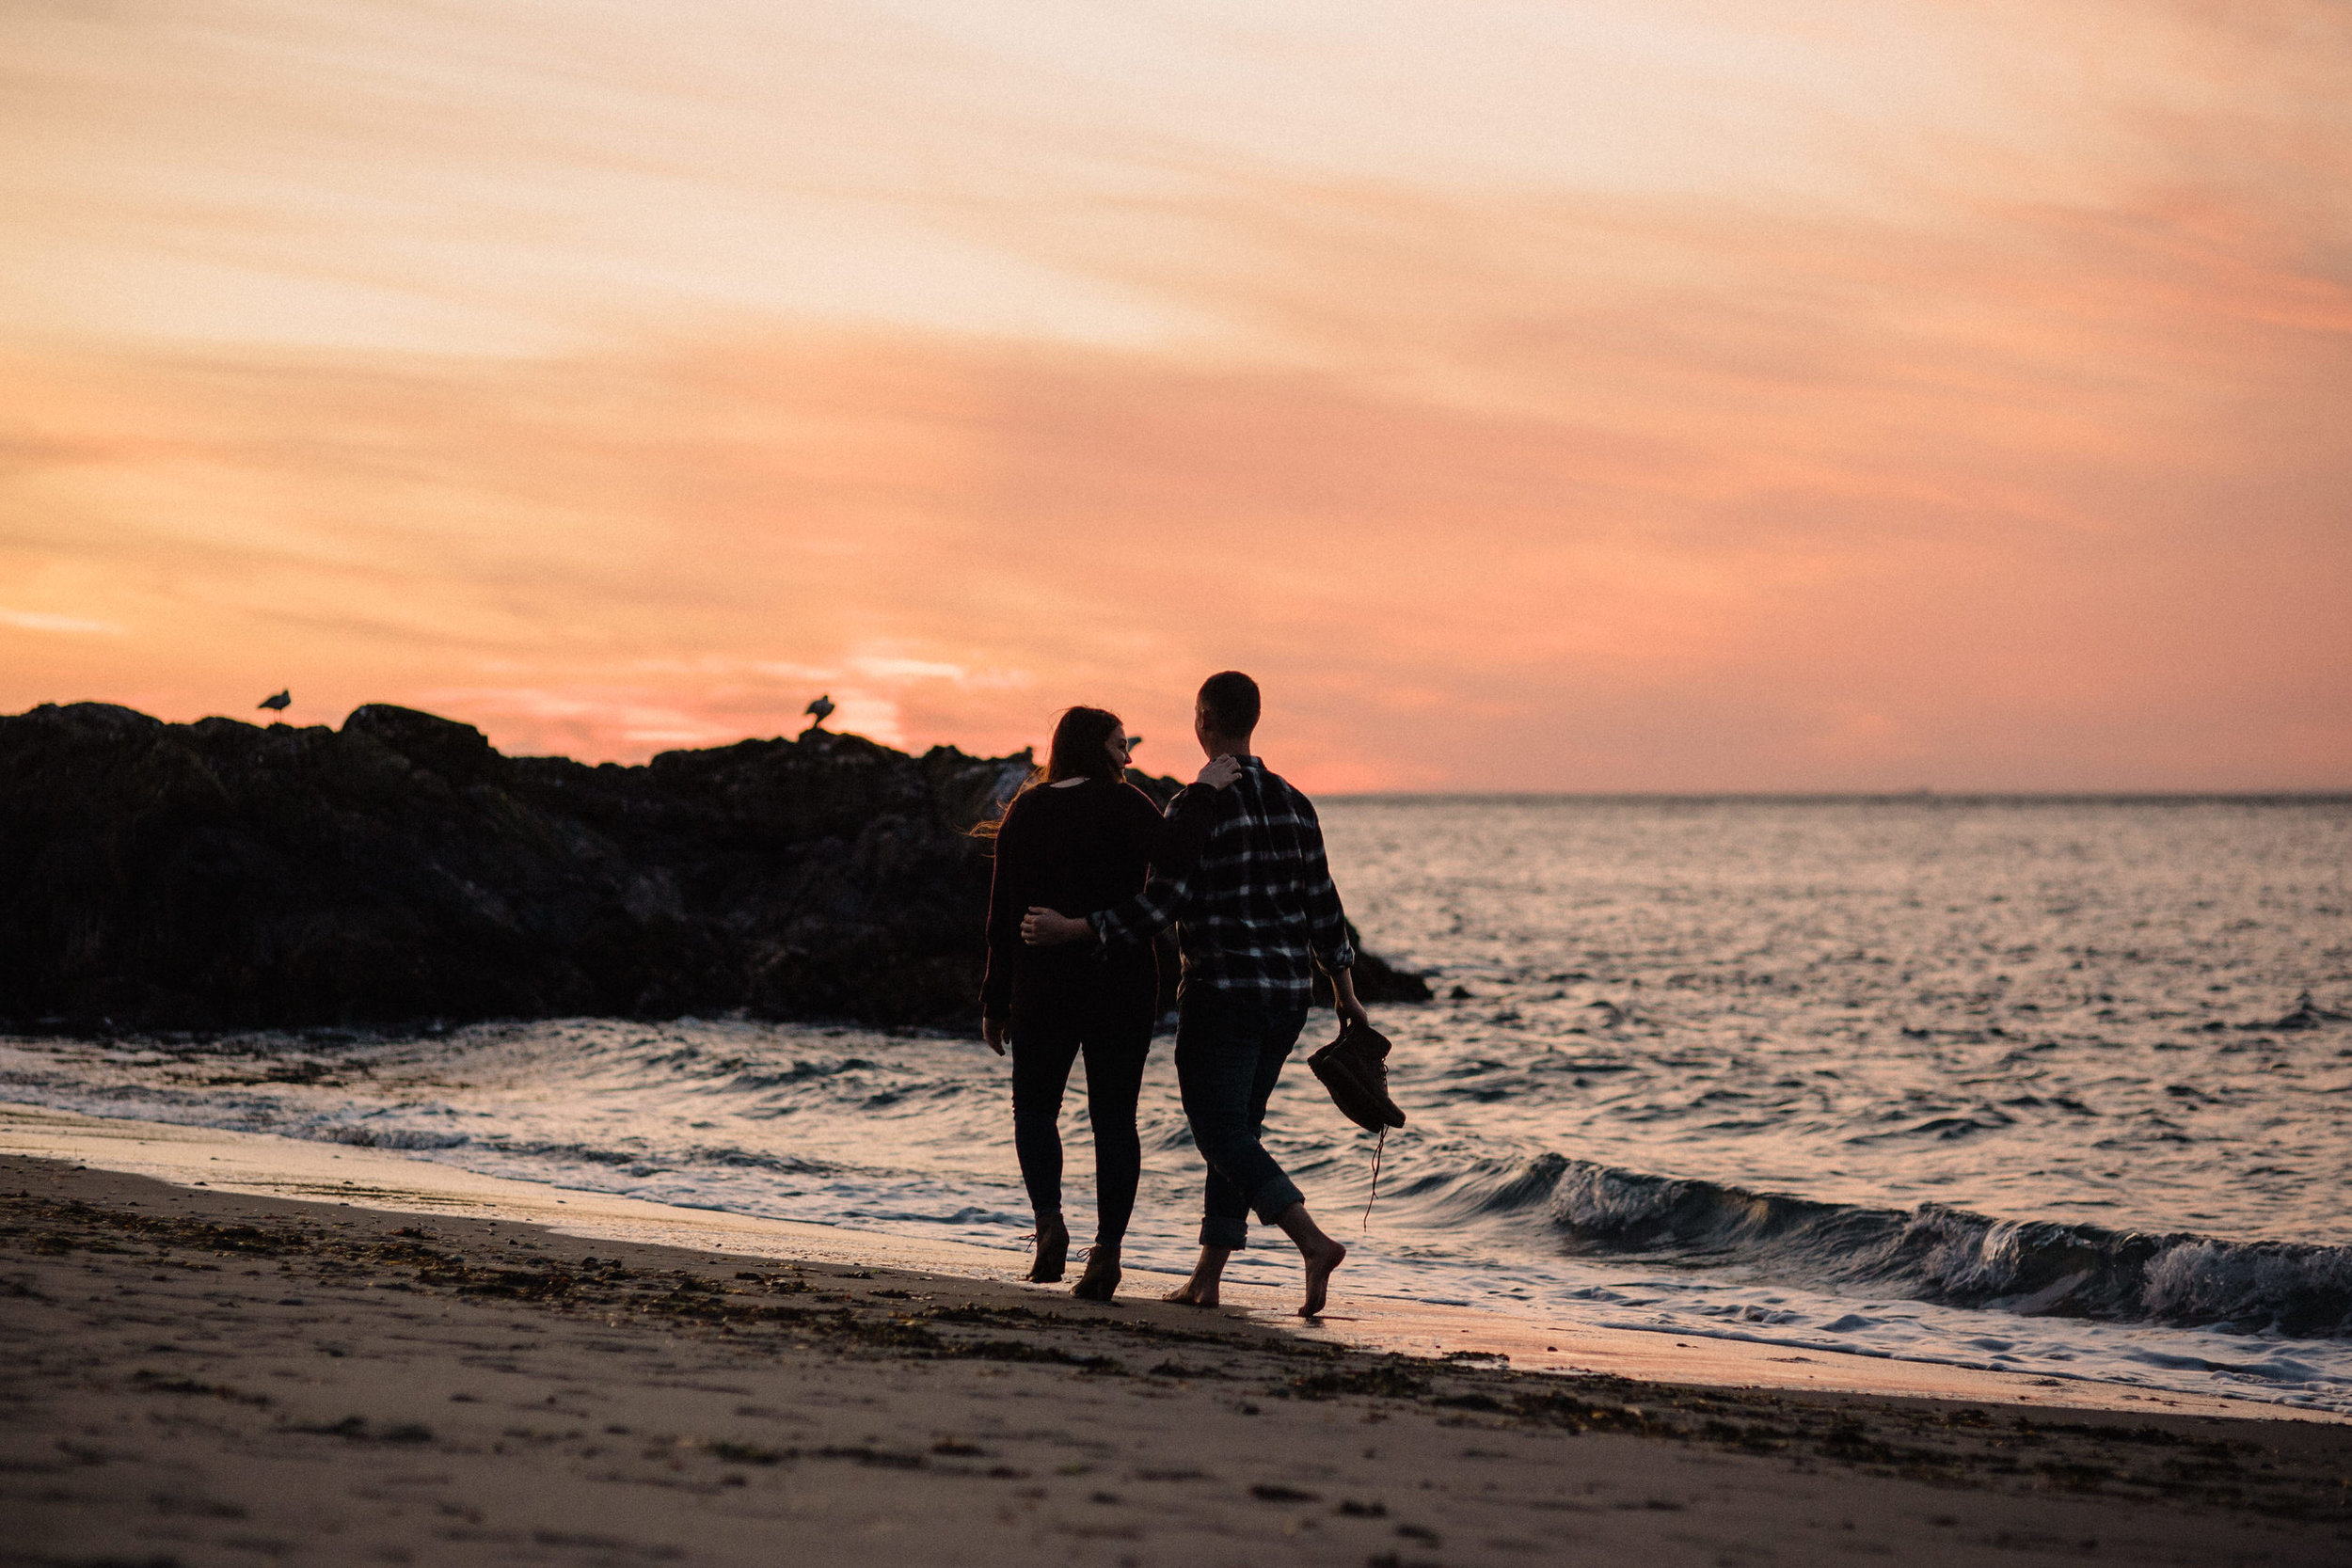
(1231, 700)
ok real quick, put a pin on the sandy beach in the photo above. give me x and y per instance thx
(200, 1374)
(357, 1176)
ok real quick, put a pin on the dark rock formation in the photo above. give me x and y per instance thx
(218, 875)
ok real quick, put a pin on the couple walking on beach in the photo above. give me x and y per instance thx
(1088, 871)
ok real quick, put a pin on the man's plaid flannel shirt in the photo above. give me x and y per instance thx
(1258, 913)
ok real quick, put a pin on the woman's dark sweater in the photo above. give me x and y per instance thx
(1077, 850)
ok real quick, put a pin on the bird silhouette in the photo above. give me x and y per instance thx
(279, 703)
(818, 711)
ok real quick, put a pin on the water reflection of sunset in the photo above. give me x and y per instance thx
(1688, 396)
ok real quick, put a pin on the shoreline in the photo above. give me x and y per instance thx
(200, 1375)
(391, 1181)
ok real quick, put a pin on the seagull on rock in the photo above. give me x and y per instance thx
(279, 703)
(818, 711)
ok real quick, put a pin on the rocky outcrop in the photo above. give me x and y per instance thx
(220, 874)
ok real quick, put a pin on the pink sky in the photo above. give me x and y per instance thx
(1681, 397)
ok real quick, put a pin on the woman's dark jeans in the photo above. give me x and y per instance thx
(1229, 1050)
(1114, 1029)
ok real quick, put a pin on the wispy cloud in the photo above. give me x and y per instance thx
(1674, 396)
(62, 626)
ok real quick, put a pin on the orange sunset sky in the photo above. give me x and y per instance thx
(1671, 395)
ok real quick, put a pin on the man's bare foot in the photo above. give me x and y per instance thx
(1320, 1253)
(1320, 1261)
(1200, 1290)
(1101, 1280)
(1053, 1250)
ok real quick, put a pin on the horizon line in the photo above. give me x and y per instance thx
(2310, 795)
(1905, 797)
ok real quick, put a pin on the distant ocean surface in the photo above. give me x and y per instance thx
(2057, 1087)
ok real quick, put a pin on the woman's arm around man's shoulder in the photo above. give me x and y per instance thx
(1175, 839)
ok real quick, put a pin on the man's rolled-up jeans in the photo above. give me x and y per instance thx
(1230, 1050)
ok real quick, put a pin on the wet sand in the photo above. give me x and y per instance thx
(200, 1375)
(394, 1183)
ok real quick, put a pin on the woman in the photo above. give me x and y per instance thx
(1078, 837)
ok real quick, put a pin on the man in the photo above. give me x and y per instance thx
(1256, 916)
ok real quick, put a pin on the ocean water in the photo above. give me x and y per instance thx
(2057, 1087)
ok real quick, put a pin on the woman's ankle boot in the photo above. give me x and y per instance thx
(1101, 1280)
(1053, 1249)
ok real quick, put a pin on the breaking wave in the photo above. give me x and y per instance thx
(2034, 1268)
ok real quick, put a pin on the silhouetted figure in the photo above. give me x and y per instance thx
(1257, 918)
(279, 703)
(1078, 837)
(818, 711)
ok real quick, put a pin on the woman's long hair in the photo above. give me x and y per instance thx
(1081, 749)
